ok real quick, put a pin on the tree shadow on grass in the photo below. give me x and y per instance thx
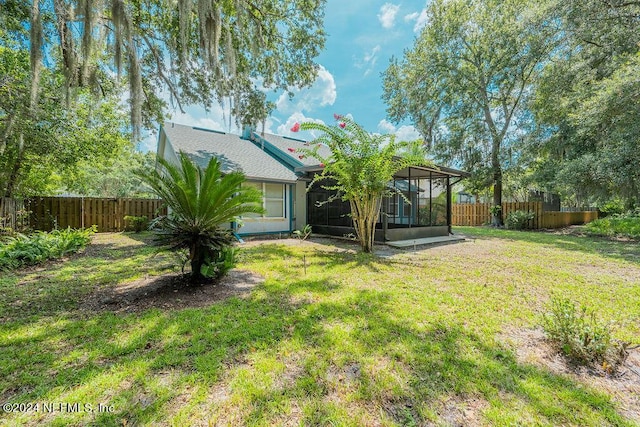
(442, 362)
(357, 358)
(621, 250)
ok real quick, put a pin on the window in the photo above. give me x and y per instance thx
(273, 199)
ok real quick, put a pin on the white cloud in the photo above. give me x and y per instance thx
(297, 117)
(386, 126)
(411, 17)
(387, 15)
(403, 133)
(368, 60)
(421, 19)
(407, 133)
(321, 93)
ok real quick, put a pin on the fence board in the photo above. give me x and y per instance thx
(45, 213)
(474, 214)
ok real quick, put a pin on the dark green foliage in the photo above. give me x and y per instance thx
(519, 220)
(111, 176)
(24, 250)
(626, 225)
(136, 223)
(226, 260)
(201, 203)
(587, 100)
(581, 336)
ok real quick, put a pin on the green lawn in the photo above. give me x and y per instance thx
(417, 338)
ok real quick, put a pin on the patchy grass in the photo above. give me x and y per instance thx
(409, 339)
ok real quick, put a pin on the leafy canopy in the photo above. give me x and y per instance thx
(360, 162)
(587, 100)
(197, 51)
(464, 82)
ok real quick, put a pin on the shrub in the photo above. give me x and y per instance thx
(627, 225)
(612, 207)
(136, 223)
(219, 267)
(579, 335)
(201, 202)
(304, 233)
(24, 250)
(519, 220)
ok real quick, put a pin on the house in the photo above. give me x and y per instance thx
(272, 164)
(276, 181)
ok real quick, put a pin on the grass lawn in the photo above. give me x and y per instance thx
(433, 337)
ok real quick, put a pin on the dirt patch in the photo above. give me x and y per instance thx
(459, 411)
(170, 292)
(531, 347)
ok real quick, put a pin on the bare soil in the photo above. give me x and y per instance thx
(170, 292)
(531, 347)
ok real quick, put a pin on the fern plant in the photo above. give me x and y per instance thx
(32, 249)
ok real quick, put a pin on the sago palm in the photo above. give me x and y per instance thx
(200, 202)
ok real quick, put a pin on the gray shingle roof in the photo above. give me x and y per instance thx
(233, 152)
(283, 144)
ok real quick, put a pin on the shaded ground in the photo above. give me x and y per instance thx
(169, 291)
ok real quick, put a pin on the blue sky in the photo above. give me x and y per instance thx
(362, 37)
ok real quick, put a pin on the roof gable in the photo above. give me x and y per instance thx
(233, 152)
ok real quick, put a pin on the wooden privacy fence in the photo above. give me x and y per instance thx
(475, 214)
(47, 213)
(13, 214)
(564, 219)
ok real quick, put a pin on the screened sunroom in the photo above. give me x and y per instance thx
(419, 208)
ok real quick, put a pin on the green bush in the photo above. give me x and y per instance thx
(579, 335)
(226, 260)
(627, 225)
(612, 207)
(136, 223)
(24, 250)
(519, 220)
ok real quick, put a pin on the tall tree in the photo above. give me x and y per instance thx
(41, 141)
(466, 80)
(197, 51)
(200, 51)
(588, 100)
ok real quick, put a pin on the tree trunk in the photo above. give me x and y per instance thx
(364, 213)
(197, 261)
(497, 218)
(17, 165)
(7, 132)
